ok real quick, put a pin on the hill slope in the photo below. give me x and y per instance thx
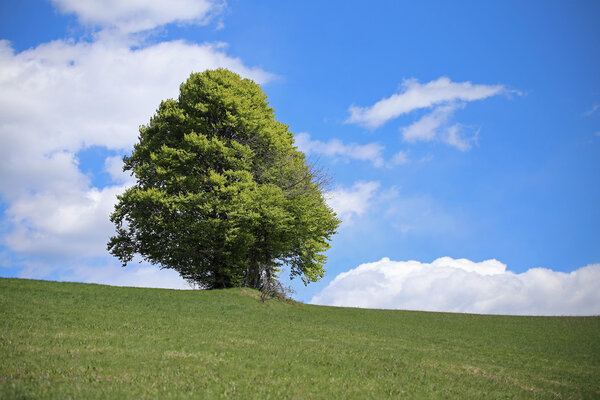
(61, 340)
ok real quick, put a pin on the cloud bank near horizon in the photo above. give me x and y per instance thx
(461, 285)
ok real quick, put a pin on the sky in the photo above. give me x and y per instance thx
(462, 138)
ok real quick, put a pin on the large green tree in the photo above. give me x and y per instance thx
(222, 195)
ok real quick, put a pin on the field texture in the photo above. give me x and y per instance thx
(68, 340)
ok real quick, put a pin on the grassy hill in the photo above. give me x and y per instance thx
(69, 340)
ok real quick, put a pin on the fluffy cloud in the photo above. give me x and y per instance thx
(353, 202)
(114, 167)
(62, 225)
(65, 96)
(372, 152)
(460, 285)
(415, 96)
(138, 15)
(61, 97)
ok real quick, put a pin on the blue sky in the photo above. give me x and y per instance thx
(461, 132)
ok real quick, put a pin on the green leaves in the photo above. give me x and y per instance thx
(222, 195)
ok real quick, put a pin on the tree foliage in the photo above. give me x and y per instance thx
(222, 195)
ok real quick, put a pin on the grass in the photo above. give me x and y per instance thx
(70, 340)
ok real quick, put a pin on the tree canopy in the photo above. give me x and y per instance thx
(222, 196)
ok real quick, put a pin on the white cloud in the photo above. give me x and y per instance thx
(435, 126)
(63, 225)
(114, 167)
(425, 129)
(416, 96)
(460, 285)
(418, 214)
(132, 275)
(335, 148)
(454, 138)
(62, 97)
(372, 152)
(107, 272)
(350, 203)
(138, 15)
(400, 158)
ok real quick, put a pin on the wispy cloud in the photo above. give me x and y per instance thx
(425, 129)
(400, 158)
(372, 152)
(338, 150)
(455, 138)
(435, 125)
(415, 95)
(367, 202)
(592, 110)
(353, 202)
(461, 285)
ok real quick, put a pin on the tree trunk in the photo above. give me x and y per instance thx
(267, 285)
(266, 270)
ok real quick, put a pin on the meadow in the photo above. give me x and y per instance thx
(72, 340)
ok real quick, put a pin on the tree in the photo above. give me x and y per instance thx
(222, 195)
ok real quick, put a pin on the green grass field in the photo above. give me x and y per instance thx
(69, 340)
